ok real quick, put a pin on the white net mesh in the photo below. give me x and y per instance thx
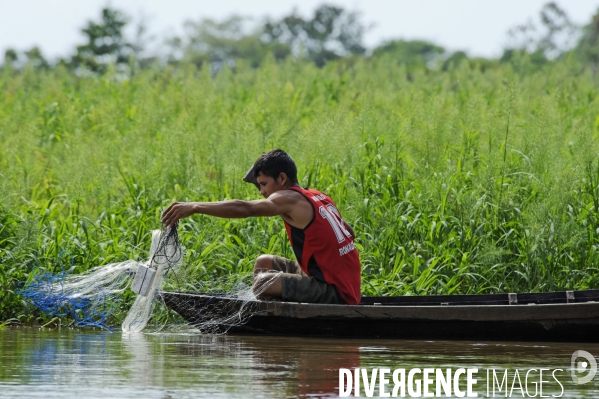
(163, 256)
(94, 298)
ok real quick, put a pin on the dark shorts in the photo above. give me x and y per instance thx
(297, 286)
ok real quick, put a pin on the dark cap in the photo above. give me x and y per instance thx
(250, 178)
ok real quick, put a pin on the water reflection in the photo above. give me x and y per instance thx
(72, 363)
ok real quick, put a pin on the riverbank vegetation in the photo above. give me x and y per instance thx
(466, 177)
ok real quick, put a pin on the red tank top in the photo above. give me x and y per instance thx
(325, 249)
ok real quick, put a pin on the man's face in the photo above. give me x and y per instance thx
(268, 185)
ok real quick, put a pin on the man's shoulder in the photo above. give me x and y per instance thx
(300, 210)
(317, 195)
(307, 192)
(286, 195)
(297, 194)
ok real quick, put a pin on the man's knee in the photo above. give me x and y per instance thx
(267, 284)
(263, 263)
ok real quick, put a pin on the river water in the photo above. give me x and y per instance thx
(69, 363)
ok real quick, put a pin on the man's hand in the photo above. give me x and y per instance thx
(176, 211)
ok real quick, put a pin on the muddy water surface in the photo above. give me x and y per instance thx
(69, 363)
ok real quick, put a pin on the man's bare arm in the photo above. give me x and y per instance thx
(272, 206)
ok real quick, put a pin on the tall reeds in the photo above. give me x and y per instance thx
(449, 189)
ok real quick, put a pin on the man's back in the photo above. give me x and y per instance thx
(324, 248)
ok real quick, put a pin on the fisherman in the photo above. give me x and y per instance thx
(327, 268)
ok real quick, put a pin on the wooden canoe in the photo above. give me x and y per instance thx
(571, 316)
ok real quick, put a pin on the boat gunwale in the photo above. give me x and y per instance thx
(574, 311)
(586, 296)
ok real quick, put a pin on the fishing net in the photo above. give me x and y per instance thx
(98, 297)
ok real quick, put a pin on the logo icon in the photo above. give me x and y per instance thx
(582, 367)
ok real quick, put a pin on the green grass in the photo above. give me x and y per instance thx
(464, 181)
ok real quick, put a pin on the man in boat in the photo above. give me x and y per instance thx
(328, 266)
